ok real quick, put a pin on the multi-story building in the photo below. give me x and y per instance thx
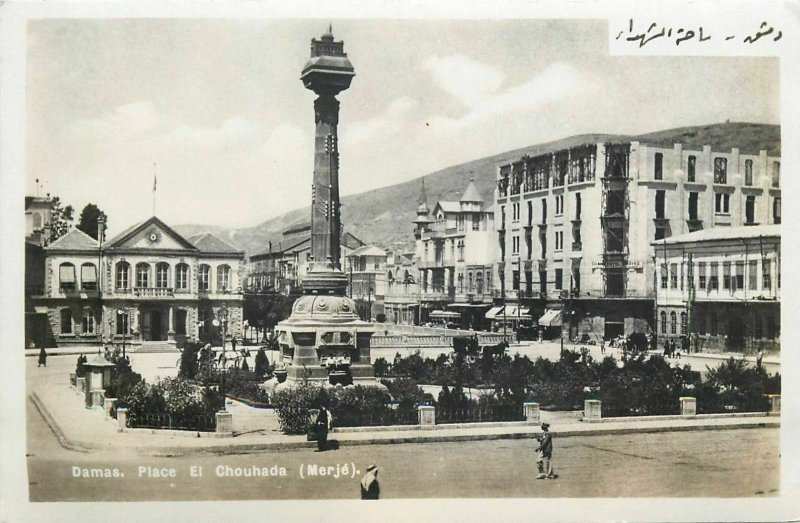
(147, 284)
(455, 257)
(365, 269)
(401, 302)
(37, 229)
(720, 288)
(282, 266)
(577, 219)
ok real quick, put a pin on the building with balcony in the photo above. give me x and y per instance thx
(365, 269)
(577, 219)
(720, 289)
(146, 285)
(455, 252)
(401, 302)
(281, 267)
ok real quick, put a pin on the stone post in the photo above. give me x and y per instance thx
(688, 406)
(592, 410)
(531, 410)
(224, 422)
(122, 419)
(427, 416)
(774, 403)
(108, 406)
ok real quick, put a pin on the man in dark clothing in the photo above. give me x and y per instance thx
(544, 461)
(42, 358)
(322, 424)
(369, 484)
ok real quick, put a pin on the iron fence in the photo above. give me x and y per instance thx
(479, 413)
(164, 420)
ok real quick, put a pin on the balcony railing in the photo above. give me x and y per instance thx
(154, 291)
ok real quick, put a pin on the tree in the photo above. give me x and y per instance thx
(89, 218)
(60, 219)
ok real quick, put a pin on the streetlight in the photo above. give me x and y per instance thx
(123, 313)
(222, 320)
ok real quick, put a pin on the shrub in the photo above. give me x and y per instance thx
(245, 384)
(359, 405)
(381, 367)
(123, 379)
(188, 367)
(80, 370)
(262, 363)
(293, 407)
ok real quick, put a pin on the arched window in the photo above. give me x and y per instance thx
(658, 173)
(223, 278)
(142, 275)
(673, 323)
(748, 172)
(663, 322)
(479, 282)
(162, 275)
(683, 323)
(66, 277)
(469, 282)
(204, 276)
(182, 277)
(88, 322)
(776, 174)
(123, 276)
(88, 277)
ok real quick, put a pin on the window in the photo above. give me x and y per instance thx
(658, 172)
(476, 222)
(661, 233)
(142, 275)
(673, 323)
(576, 279)
(515, 212)
(88, 277)
(123, 275)
(713, 280)
(726, 275)
(502, 217)
(544, 210)
(122, 323)
(738, 278)
(530, 212)
(701, 274)
(66, 277)
(515, 280)
(559, 205)
(693, 199)
(750, 210)
(87, 322)
(691, 169)
(684, 324)
(162, 275)
(748, 172)
(752, 275)
(543, 283)
(721, 170)
(660, 204)
(180, 321)
(515, 244)
(182, 277)
(776, 211)
(664, 275)
(776, 174)
(663, 317)
(722, 203)
(460, 250)
(673, 275)
(577, 206)
(559, 240)
(204, 276)
(223, 278)
(559, 278)
(766, 272)
(66, 321)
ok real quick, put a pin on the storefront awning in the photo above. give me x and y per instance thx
(492, 313)
(88, 274)
(551, 318)
(66, 273)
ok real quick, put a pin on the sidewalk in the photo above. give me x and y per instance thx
(81, 429)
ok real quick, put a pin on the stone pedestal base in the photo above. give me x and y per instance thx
(688, 406)
(427, 416)
(774, 403)
(531, 410)
(122, 418)
(592, 410)
(224, 422)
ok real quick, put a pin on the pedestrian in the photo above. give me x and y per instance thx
(323, 424)
(233, 343)
(370, 489)
(545, 459)
(42, 358)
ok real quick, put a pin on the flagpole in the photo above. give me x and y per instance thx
(154, 188)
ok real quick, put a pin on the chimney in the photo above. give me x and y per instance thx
(101, 228)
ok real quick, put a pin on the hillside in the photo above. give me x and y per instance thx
(384, 215)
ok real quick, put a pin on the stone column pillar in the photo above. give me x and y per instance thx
(688, 406)
(592, 410)
(224, 422)
(122, 419)
(531, 410)
(427, 416)
(774, 403)
(171, 330)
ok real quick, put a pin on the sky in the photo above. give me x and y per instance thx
(216, 111)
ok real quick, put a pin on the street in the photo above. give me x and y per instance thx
(729, 463)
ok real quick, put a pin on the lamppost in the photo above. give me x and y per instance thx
(123, 313)
(222, 321)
